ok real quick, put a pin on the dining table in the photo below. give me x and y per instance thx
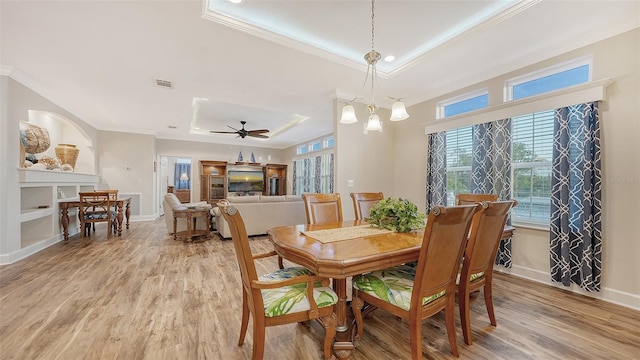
(123, 212)
(340, 250)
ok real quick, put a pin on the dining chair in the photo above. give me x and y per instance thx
(322, 208)
(362, 203)
(113, 195)
(479, 257)
(284, 296)
(416, 293)
(96, 206)
(466, 199)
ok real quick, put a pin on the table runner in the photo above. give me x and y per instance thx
(345, 233)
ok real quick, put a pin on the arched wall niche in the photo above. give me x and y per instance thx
(64, 131)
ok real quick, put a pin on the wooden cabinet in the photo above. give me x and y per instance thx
(214, 179)
(275, 177)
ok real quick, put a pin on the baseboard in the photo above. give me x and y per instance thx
(6, 259)
(136, 218)
(606, 294)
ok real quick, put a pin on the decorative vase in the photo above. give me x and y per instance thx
(68, 154)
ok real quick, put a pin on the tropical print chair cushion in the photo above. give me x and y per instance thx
(291, 299)
(393, 285)
(472, 277)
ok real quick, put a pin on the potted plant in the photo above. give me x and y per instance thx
(396, 214)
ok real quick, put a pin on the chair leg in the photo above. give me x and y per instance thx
(415, 338)
(245, 318)
(329, 323)
(465, 321)
(451, 324)
(356, 307)
(258, 337)
(488, 301)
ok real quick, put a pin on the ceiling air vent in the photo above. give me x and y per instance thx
(163, 83)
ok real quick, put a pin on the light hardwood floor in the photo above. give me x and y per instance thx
(146, 296)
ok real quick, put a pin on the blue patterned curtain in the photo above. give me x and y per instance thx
(317, 188)
(576, 228)
(436, 170)
(491, 169)
(294, 188)
(182, 168)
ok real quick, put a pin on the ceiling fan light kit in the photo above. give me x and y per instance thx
(398, 109)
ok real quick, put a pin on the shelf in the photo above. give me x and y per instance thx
(32, 214)
(49, 176)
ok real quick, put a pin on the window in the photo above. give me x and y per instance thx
(328, 143)
(315, 146)
(554, 78)
(462, 104)
(313, 174)
(459, 156)
(531, 156)
(302, 149)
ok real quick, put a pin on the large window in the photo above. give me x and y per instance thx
(531, 155)
(459, 155)
(531, 151)
(313, 174)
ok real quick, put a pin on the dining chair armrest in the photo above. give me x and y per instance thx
(310, 279)
(264, 255)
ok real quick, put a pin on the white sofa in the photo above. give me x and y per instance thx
(260, 213)
(171, 202)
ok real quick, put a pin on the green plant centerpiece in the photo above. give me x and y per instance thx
(396, 214)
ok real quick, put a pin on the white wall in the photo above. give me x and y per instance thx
(367, 159)
(16, 101)
(617, 58)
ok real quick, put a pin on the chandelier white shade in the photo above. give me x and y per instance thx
(348, 115)
(398, 109)
(374, 123)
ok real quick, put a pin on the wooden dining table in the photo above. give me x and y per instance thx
(123, 212)
(342, 259)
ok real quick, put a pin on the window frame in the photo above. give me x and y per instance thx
(442, 105)
(548, 71)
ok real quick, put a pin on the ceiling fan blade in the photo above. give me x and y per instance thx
(223, 132)
(258, 131)
(258, 136)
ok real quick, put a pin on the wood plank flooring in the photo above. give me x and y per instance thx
(146, 296)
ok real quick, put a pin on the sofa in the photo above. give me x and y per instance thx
(260, 213)
(171, 202)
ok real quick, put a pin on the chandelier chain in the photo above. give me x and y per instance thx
(373, 22)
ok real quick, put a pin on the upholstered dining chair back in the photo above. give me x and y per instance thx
(363, 201)
(479, 257)
(430, 286)
(277, 298)
(95, 206)
(322, 208)
(467, 199)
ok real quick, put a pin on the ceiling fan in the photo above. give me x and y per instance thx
(244, 133)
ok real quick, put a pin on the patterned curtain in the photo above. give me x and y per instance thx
(182, 168)
(576, 228)
(436, 170)
(317, 188)
(491, 169)
(294, 187)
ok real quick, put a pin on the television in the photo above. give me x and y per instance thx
(245, 181)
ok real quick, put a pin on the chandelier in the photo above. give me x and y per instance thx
(398, 109)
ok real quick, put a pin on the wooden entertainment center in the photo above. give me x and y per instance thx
(215, 179)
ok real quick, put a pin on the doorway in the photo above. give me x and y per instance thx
(175, 171)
